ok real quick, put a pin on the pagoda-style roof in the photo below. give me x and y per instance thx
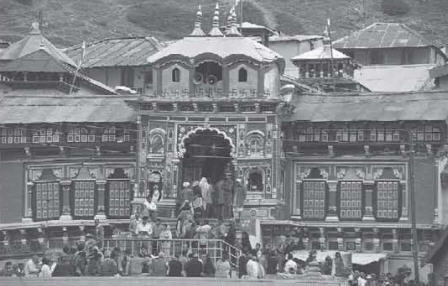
(321, 53)
(129, 51)
(384, 107)
(383, 35)
(222, 47)
(32, 43)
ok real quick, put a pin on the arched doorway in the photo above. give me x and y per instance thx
(208, 153)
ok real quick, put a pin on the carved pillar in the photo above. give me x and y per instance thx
(322, 239)
(225, 80)
(332, 202)
(306, 243)
(395, 240)
(66, 191)
(340, 239)
(368, 201)
(101, 209)
(64, 236)
(5, 238)
(40, 237)
(376, 241)
(29, 202)
(82, 236)
(260, 81)
(23, 236)
(404, 199)
(358, 240)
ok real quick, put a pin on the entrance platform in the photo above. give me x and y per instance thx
(160, 281)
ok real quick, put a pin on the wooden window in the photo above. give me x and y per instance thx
(157, 144)
(388, 198)
(175, 75)
(109, 134)
(80, 135)
(47, 205)
(119, 198)
(426, 133)
(13, 136)
(350, 200)
(43, 135)
(242, 75)
(84, 199)
(314, 199)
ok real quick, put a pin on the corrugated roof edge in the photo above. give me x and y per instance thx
(149, 38)
(429, 43)
(287, 38)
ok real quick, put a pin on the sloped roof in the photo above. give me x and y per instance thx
(34, 42)
(222, 47)
(297, 38)
(385, 107)
(131, 51)
(383, 35)
(55, 109)
(320, 53)
(394, 78)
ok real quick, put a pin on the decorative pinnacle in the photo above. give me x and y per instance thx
(35, 28)
(233, 30)
(197, 31)
(215, 31)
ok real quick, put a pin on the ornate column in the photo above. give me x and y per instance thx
(82, 236)
(358, 240)
(332, 215)
(368, 201)
(340, 239)
(395, 240)
(23, 236)
(66, 191)
(376, 241)
(5, 238)
(41, 237)
(28, 203)
(101, 209)
(64, 236)
(322, 239)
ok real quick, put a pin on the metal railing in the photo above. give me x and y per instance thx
(215, 248)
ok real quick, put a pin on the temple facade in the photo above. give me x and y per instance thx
(214, 112)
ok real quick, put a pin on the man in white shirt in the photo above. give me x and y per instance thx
(290, 265)
(144, 228)
(32, 267)
(361, 279)
(252, 267)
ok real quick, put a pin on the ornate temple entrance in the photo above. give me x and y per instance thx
(208, 153)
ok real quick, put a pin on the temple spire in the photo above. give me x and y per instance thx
(215, 31)
(232, 31)
(197, 31)
(35, 30)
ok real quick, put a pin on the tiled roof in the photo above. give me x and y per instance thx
(385, 107)
(131, 51)
(298, 38)
(32, 43)
(55, 109)
(222, 47)
(394, 78)
(323, 52)
(383, 35)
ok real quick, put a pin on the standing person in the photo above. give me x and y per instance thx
(80, 260)
(193, 268)
(144, 230)
(186, 194)
(252, 267)
(159, 266)
(109, 266)
(99, 233)
(7, 270)
(339, 267)
(239, 197)
(197, 206)
(66, 264)
(223, 268)
(209, 268)
(206, 196)
(183, 259)
(203, 232)
(166, 236)
(228, 196)
(175, 267)
(327, 266)
(94, 262)
(242, 265)
(290, 265)
(133, 223)
(220, 198)
(32, 267)
(156, 196)
(45, 271)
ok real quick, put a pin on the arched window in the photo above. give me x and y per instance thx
(255, 144)
(242, 75)
(255, 180)
(156, 144)
(175, 75)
